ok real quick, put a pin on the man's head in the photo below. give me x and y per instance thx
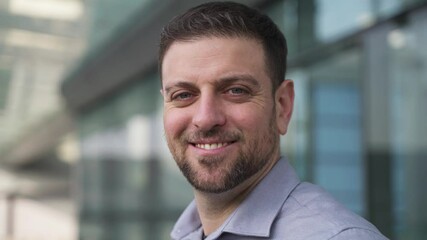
(229, 20)
(222, 120)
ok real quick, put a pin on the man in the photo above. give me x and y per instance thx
(222, 66)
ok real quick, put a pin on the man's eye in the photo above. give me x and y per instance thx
(182, 96)
(237, 91)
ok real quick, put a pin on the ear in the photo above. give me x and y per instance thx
(284, 99)
(161, 92)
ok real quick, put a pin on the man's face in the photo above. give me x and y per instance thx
(219, 111)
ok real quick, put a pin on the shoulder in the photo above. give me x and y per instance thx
(309, 212)
(358, 233)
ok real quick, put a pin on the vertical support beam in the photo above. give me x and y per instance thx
(10, 215)
(111, 216)
(306, 25)
(154, 197)
(378, 144)
(414, 131)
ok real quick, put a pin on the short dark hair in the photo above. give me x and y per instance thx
(229, 19)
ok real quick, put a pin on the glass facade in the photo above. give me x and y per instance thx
(37, 44)
(107, 22)
(39, 41)
(408, 117)
(364, 132)
(337, 128)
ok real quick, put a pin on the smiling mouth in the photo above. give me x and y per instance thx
(211, 146)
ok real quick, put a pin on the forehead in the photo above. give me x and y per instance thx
(213, 56)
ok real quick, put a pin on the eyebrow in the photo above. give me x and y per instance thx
(181, 84)
(221, 82)
(228, 80)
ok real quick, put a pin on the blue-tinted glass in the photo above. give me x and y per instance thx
(338, 139)
(285, 15)
(339, 99)
(390, 7)
(337, 149)
(337, 18)
(408, 117)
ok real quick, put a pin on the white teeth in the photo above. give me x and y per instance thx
(211, 146)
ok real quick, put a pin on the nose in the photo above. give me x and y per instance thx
(209, 113)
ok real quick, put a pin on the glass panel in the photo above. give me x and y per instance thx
(309, 23)
(337, 141)
(106, 20)
(336, 18)
(285, 15)
(408, 95)
(389, 7)
(4, 86)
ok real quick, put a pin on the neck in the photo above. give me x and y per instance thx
(215, 208)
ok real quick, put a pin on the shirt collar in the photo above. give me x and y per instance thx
(188, 223)
(257, 212)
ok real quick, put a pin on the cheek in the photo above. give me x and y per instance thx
(250, 118)
(175, 122)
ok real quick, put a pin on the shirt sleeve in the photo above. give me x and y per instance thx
(358, 234)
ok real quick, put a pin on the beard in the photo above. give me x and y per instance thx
(252, 156)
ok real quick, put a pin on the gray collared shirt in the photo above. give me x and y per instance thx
(282, 207)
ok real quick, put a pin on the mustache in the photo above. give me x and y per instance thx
(214, 133)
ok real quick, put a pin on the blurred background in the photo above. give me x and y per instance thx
(82, 151)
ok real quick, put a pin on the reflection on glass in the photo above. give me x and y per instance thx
(336, 18)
